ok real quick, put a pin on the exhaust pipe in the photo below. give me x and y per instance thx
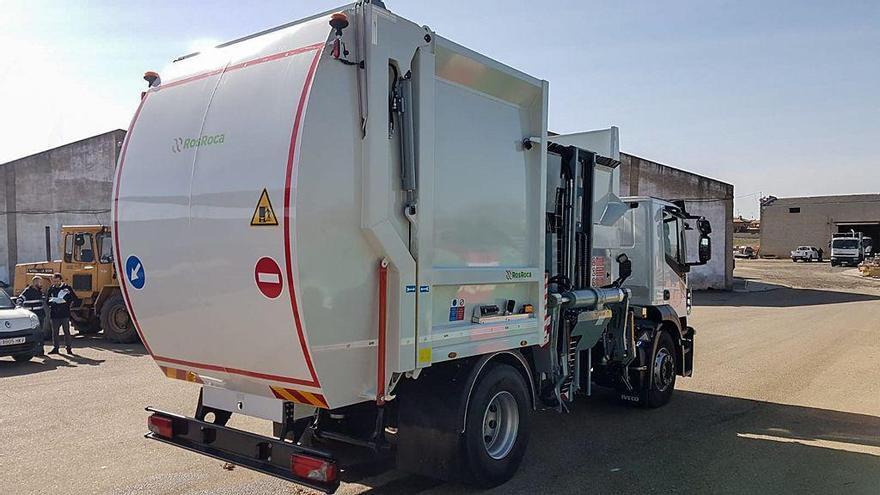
(48, 245)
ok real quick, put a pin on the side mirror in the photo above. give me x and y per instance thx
(705, 249)
(704, 226)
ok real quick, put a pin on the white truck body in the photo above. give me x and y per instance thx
(338, 217)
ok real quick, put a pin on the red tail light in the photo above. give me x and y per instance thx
(161, 425)
(313, 468)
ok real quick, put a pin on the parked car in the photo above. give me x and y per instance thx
(805, 253)
(20, 333)
(746, 252)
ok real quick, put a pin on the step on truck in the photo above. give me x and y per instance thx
(369, 238)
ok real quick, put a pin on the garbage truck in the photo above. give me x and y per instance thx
(363, 232)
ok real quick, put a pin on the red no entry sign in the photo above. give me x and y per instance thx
(267, 275)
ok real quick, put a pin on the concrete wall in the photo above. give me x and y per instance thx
(703, 196)
(782, 230)
(68, 185)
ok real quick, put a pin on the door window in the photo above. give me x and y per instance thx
(84, 250)
(671, 237)
(105, 247)
(68, 248)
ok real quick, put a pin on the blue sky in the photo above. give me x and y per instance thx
(777, 98)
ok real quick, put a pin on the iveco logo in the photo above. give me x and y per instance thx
(8, 325)
(178, 145)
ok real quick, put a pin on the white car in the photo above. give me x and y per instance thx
(805, 253)
(20, 333)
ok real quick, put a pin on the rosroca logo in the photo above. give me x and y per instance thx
(183, 144)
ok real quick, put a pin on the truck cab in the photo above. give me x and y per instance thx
(663, 241)
(850, 248)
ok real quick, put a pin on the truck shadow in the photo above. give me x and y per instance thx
(39, 364)
(699, 443)
(779, 296)
(100, 343)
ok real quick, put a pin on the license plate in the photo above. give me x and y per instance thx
(12, 341)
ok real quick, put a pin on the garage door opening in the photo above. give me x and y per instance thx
(868, 229)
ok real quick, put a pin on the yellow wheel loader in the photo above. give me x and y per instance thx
(86, 264)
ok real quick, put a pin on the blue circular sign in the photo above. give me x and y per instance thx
(134, 272)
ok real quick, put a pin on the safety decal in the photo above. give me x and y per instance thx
(425, 354)
(456, 310)
(424, 289)
(410, 289)
(177, 374)
(267, 275)
(598, 275)
(264, 215)
(134, 271)
(300, 397)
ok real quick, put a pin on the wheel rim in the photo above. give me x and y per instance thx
(119, 318)
(664, 370)
(500, 425)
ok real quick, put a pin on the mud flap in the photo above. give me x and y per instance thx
(687, 352)
(430, 420)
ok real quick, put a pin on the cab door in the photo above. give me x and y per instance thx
(105, 272)
(79, 267)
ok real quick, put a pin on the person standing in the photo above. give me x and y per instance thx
(32, 298)
(60, 296)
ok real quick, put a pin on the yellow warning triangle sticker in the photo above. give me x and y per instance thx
(264, 214)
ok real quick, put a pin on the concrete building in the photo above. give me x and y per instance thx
(787, 223)
(67, 185)
(703, 196)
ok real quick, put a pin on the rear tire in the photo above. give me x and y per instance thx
(663, 370)
(496, 427)
(116, 321)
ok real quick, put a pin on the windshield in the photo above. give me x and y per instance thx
(5, 302)
(845, 244)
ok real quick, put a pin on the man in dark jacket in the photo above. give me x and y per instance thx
(32, 298)
(60, 295)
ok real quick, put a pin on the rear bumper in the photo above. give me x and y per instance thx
(33, 342)
(264, 454)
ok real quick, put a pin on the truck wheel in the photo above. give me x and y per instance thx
(663, 370)
(23, 358)
(496, 427)
(116, 322)
(85, 324)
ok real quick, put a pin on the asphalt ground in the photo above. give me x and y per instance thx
(785, 399)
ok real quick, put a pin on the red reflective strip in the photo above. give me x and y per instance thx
(291, 155)
(299, 397)
(120, 271)
(383, 317)
(240, 65)
(322, 400)
(232, 371)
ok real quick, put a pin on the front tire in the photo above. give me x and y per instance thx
(496, 427)
(23, 358)
(116, 321)
(85, 323)
(663, 371)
